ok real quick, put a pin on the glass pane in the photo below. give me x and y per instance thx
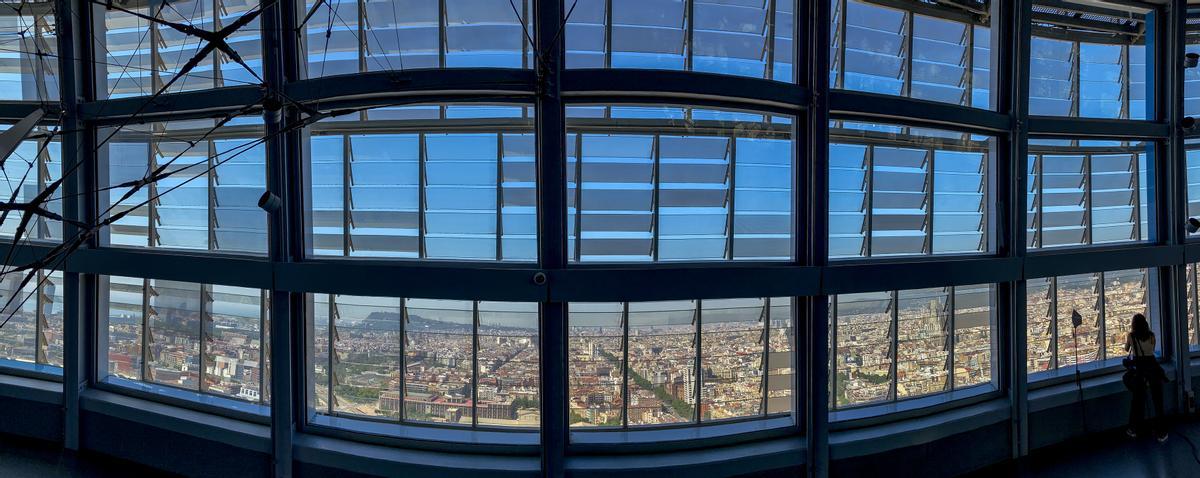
(1124, 296)
(1078, 293)
(1085, 192)
(366, 365)
(740, 38)
(1063, 200)
(125, 313)
(974, 318)
(319, 353)
(207, 198)
(596, 351)
(1193, 307)
(345, 36)
(717, 187)
(18, 338)
(173, 334)
(1192, 158)
(911, 49)
(732, 336)
(897, 190)
(960, 202)
(1089, 60)
(863, 349)
(509, 389)
(50, 305)
(408, 189)
(29, 59)
(1039, 313)
(437, 361)
(780, 359)
(233, 360)
(923, 340)
(32, 167)
(662, 362)
(1191, 76)
(143, 57)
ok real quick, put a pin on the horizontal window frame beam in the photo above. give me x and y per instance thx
(1099, 128)
(718, 281)
(383, 85)
(172, 106)
(846, 104)
(14, 111)
(874, 276)
(1043, 264)
(602, 85)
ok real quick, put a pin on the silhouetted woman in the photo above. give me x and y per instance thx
(1148, 375)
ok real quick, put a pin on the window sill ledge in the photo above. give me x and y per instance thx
(179, 420)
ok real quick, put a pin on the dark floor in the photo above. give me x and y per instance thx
(26, 458)
(1102, 455)
(1112, 454)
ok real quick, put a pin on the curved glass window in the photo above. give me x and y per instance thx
(1104, 302)
(161, 336)
(450, 362)
(1089, 61)
(28, 55)
(208, 198)
(743, 38)
(425, 182)
(1192, 163)
(138, 57)
(1191, 76)
(912, 49)
(1085, 192)
(641, 364)
(31, 307)
(900, 190)
(351, 36)
(674, 184)
(32, 167)
(887, 346)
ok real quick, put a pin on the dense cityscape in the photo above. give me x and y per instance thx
(932, 336)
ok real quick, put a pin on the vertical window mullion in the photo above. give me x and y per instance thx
(730, 215)
(403, 410)
(474, 363)
(347, 194)
(625, 364)
(895, 343)
(765, 317)
(769, 43)
(499, 196)
(331, 350)
(697, 375)
(1054, 323)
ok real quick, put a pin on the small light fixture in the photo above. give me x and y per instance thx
(269, 202)
(1193, 225)
(1190, 60)
(1188, 124)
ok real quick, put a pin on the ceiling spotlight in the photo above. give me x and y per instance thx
(1190, 60)
(1188, 124)
(269, 202)
(1193, 225)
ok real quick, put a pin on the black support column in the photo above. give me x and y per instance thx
(77, 149)
(552, 215)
